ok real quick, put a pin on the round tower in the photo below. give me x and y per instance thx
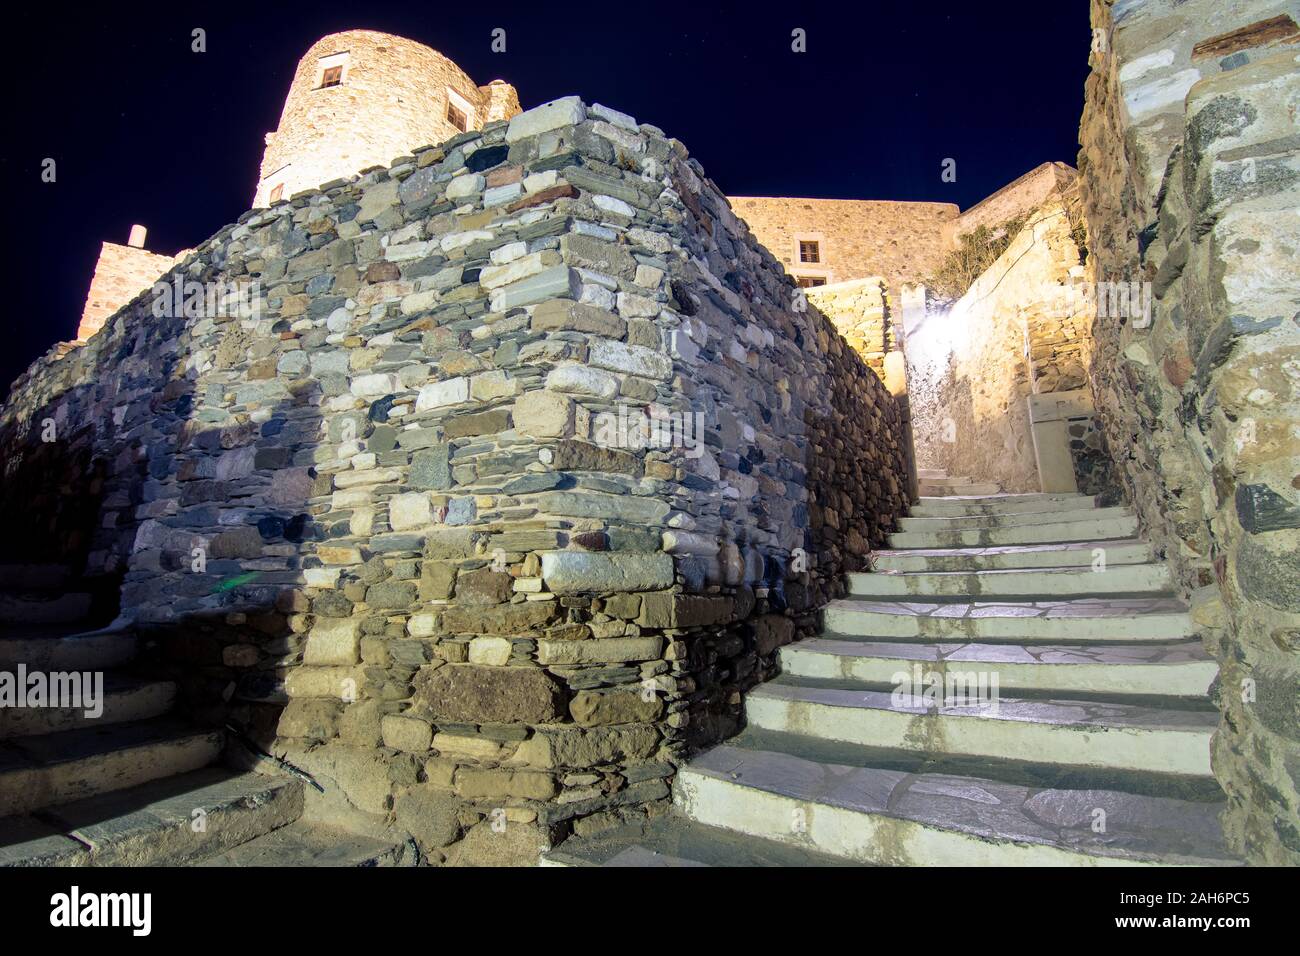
(360, 99)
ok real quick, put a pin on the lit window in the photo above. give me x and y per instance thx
(460, 111)
(456, 118)
(810, 251)
(333, 76)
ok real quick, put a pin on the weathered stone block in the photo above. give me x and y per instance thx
(591, 707)
(609, 650)
(565, 315)
(333, 641)
(574, 572)
(410, 734)
(430, 815)
(413, 510)
(543, 414)
(581, 747)
(473, 693)
(567, 111)
(483, 587)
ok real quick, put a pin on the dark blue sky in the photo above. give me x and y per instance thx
(146, 131)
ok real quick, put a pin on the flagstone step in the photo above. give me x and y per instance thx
(65, 648)
(50, 769)
(940, 487)
(1072, 732)
(673, 841)
(1115, 579)
(44, 608)
(1015, 557)
(1009, 519)
(305, 844)
(1153, 670)
(1120, 620)
(1001, 504)
(888, 817)
(124, 700)
(161, 823)
(1083, 529)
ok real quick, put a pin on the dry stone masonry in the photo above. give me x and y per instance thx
(1200, 404)
(492, 481)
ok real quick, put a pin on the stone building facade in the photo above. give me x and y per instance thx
(847, 239)
(121, 273)
(827, 241)
(1201, 402)
(446, 567)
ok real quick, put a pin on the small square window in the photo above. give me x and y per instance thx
(456, 117)
(277, 192)
(333, 76)
(809, 282)
(809, 251)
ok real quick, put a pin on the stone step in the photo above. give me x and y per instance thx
(34, 577)
(931, 473)
(1084, 529)
(675, 841)
(31, 607)
(1116, 579)
(1002, 504)
(161, 823)
(124, 700)
(1010, 519)
(895, 818)
(961, 490)
(1014, 557)
(307, 844)
(65, 648)
(1151, 670)
(949, 480)
(1074, 733)
(1083, 620)
(51, 769)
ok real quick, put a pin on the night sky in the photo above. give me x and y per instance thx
(144, 130)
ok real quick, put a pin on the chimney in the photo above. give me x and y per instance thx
(136, 241)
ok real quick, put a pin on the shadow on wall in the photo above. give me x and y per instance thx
(231, 553)
(52, 490)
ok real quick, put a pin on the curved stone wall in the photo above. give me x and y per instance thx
(392, 97)
(395, 512)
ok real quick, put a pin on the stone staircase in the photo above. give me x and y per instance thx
(1093, 750)
(136, 784)
(934, 482)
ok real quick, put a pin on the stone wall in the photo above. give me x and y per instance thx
(1191, 174)
(1013, 201)
(391, 508)
(121, 273)
(860, 312)
(392, 98)
(972, 367)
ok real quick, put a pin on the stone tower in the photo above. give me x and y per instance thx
(360, 99)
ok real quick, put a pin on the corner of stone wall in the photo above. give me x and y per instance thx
(494, 480)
